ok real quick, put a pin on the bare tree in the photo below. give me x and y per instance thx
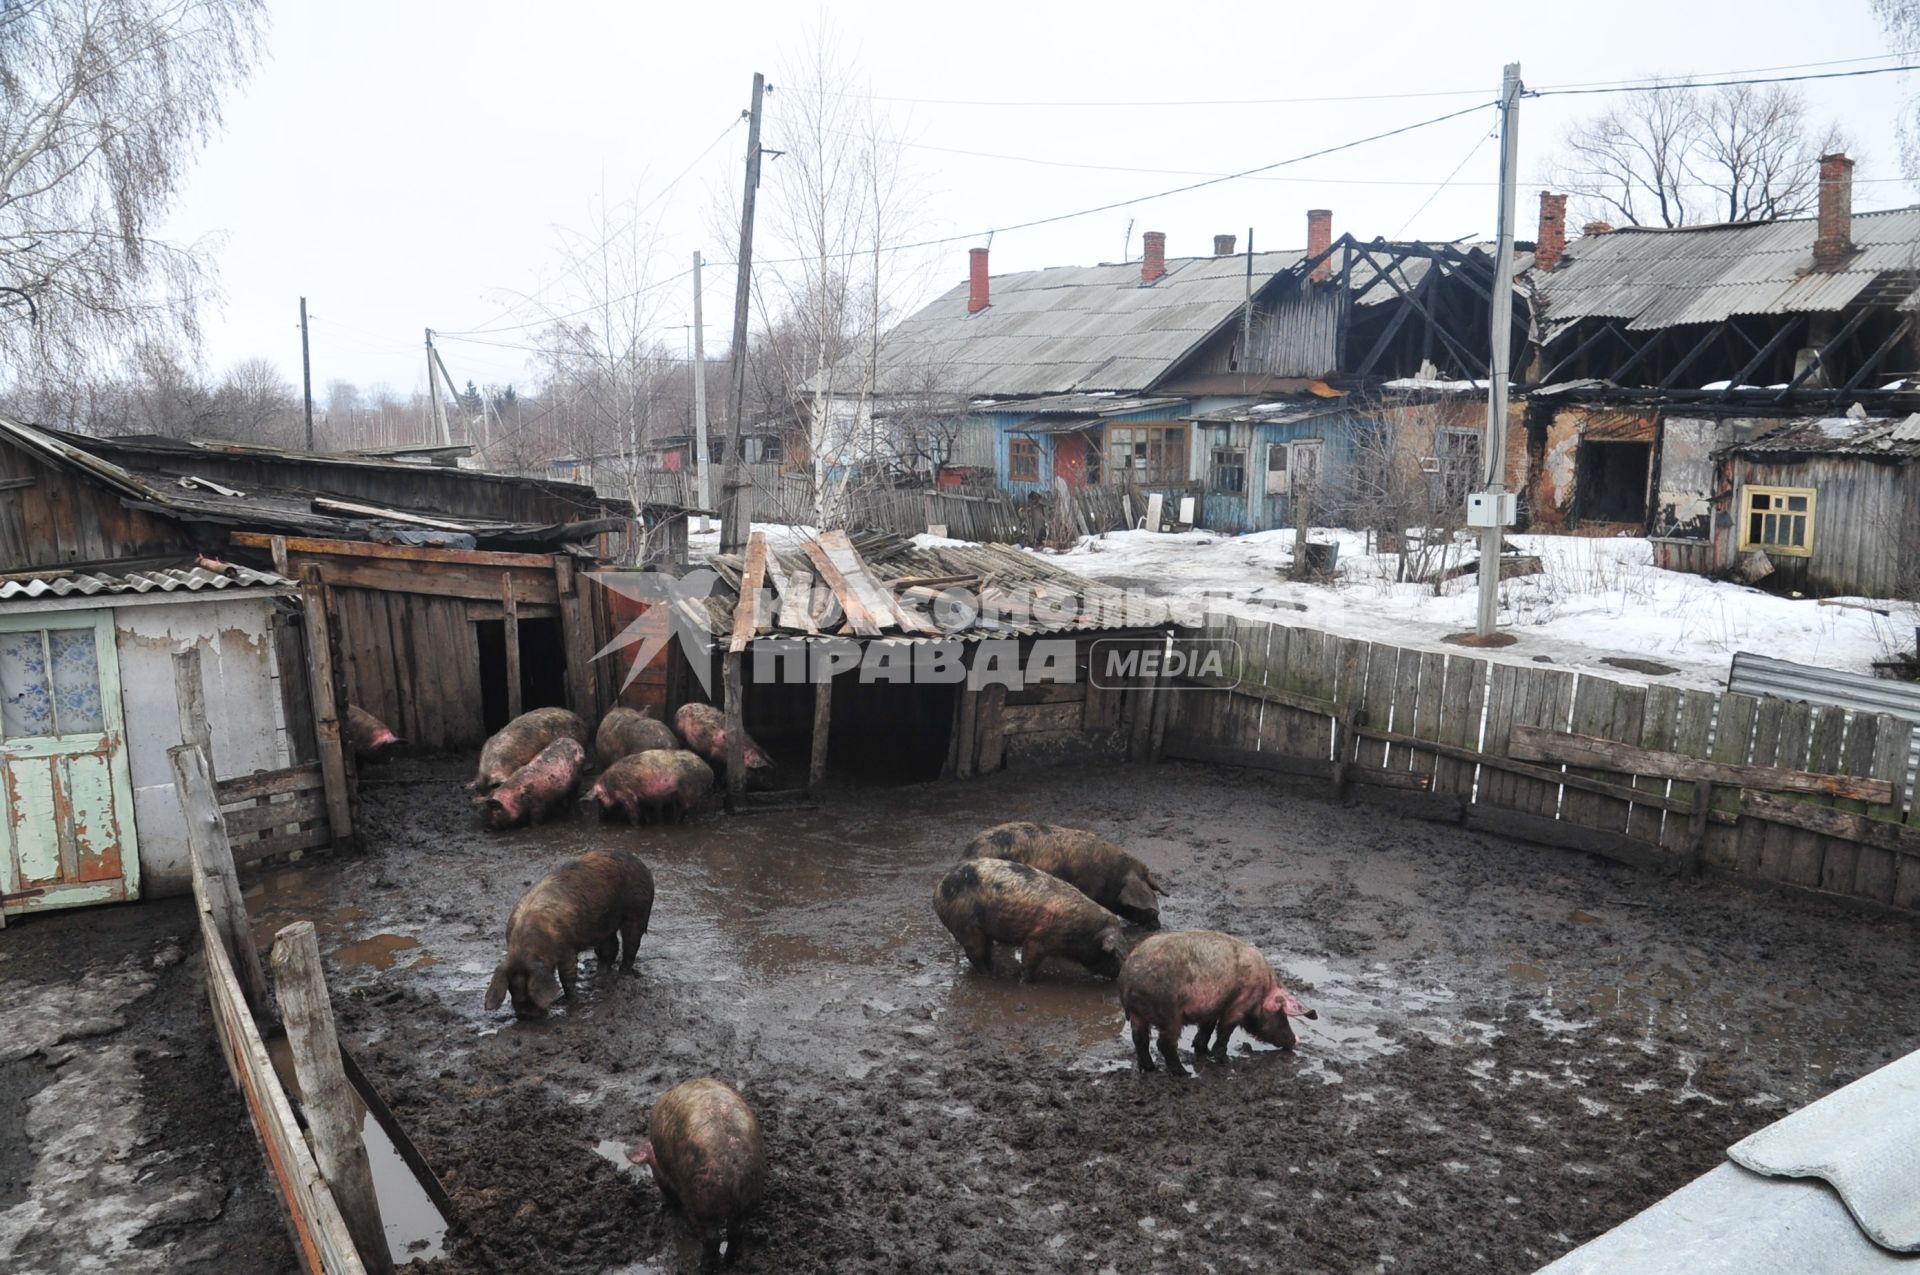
(103, 104)
(1901, 18)
(1673, 155)
(253, 401)
(1407, 485)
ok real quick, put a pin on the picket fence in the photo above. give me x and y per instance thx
(1755, 786)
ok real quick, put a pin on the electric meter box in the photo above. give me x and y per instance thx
(1485, 509)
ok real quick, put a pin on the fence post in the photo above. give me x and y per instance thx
(216, 887)
(325, 1096)
(327, 710)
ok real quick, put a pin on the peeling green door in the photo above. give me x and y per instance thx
(67, 835)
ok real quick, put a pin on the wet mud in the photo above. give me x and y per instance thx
(1517, 1047)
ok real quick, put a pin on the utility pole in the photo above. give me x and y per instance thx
(700, 400)
(733, 527)
(1494, 519)
(306, 371)
(435, 370)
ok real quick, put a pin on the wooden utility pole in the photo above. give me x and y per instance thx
(733, 526)
(1500, 352)
(306, 371)
(700, 398)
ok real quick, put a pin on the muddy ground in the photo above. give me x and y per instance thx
(1517, 1047)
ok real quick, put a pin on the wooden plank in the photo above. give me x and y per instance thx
(1687, 732)
(1542, 699)
(1428, 712)
(1776, 840)
(576, 633)
(1186, 748)
(1541, 744)
(1383, 664)
(1806, 852)
(1875, 868)
(406, 719)
(822, 729)
(1895, 838)
(1762, 748)
(1735, 725)
(1462, 701)
(1495, 787)
(267, 783)
(864, 624)
(796, 603)
(990, 733)
(1350, 682)
(277, 550)
(285, 843)
(1840, 860)
(510, 632)
(480, 584)
(248, 820)
(1594, 700)
(190, 703)
(731, 675)
(326, 1098)
(747, 606)
(1032, 717)
(966, 719)
(216, 887)
(327, 709)
(1658, 723)
(1101, 708)
(393, 553)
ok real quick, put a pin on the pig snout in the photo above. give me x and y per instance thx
(640, 1152)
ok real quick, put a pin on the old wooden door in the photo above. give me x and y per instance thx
(67, 835)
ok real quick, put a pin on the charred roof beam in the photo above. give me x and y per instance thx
(1765, 352)
(1692, 356)
(1894, 338)
(1819, 360)
(1467, 359)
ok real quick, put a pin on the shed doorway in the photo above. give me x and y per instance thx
(543, 668)
(884, 733)
(1612, 483)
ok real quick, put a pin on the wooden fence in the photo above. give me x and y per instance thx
(1745, 785)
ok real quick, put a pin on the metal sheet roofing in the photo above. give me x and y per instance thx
(1658, 278)
(194, 579)
(1081, 404)
(1875, 436)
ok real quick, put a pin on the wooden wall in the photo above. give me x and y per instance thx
(50, 517)
(413, 661)
(1865, 513)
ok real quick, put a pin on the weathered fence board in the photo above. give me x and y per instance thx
(1462, 703)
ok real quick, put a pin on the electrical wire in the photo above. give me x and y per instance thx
(1447, 181)
(1668, 86)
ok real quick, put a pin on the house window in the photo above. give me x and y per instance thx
(1459, 463)
(1277, 469)
(1023, 460)
(1229, 470)
(1778, 519)
(1148, 455)
(773, 448)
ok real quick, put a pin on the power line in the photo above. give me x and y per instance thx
(1426, 203)
(1667, 86)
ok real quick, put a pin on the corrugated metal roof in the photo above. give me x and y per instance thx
(1840, 436)
(1080, 404)
(170, 580)
(1656, 278)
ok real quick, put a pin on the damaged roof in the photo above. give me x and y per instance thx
(1661, 278)
(1881, 437)
(201, 575)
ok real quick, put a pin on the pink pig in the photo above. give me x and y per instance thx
(1200, 976)
(705, 731)
(537, 788)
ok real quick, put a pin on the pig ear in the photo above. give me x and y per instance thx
(1113, 942)
(545, 990)
(1282, 1001)
(640, 1152)
(497, 990)
(1137, 894)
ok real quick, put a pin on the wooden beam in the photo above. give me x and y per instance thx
(15, 484)
(1829, 821)
(1879, 355)
(394, 553)
(1183, 748)
(1692, 356)
(326, 1098)
(216, 886)
(327, 709)
(796, 602)
(1819, 361)
(190, 703)
(267, 783)
(576, 634)
(730, 675)
(510, 630)
(447, 580)
(822, 728)
(1535, 743)
(746, 609)
(1764, 353)
(863, 623)
(1598, 335)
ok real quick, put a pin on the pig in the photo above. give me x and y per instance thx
(537, 788)
(1204, 977)
(703, 1145)
(623, 732)
(368, 734)
(660, 783)
(600, 900)
(520, 740)
(705, 731)
(987, 900)
(1098, 869)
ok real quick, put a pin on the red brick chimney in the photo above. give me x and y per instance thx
(976, 280)
(1596, 228)
(1551, 240)
(1319, 239)
(1223, 245)
(1833, 244)
(1153, 261)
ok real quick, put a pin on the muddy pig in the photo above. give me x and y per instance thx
(660, 783)
(703, 1144)
(601, 900)
(520, 740)
(537, 788)
(623, 732)
(1098, 869)
(983, 901)
(705, 731)
(368, 734)
(1200, 976)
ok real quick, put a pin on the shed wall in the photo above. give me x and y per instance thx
(56, 517)
(1864, 519)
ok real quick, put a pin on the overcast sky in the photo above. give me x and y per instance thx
(416, 164)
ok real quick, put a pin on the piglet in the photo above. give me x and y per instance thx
(537, 788)
(601, 900)
(1098, 869)
(369, 735)
(625, 731)
(520, 740)
(705, 731)
(1204, 977)
(704, 1147)
(660, 783)
(984, 901)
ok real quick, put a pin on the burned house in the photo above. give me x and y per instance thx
(1659, 349)
(1143, 376)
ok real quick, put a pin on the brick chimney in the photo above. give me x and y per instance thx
(1596, 228)
(1223, 245)
(1319, 239)
(1833, 244)
(1153, 262)
(1551, 240)
(976, 280)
